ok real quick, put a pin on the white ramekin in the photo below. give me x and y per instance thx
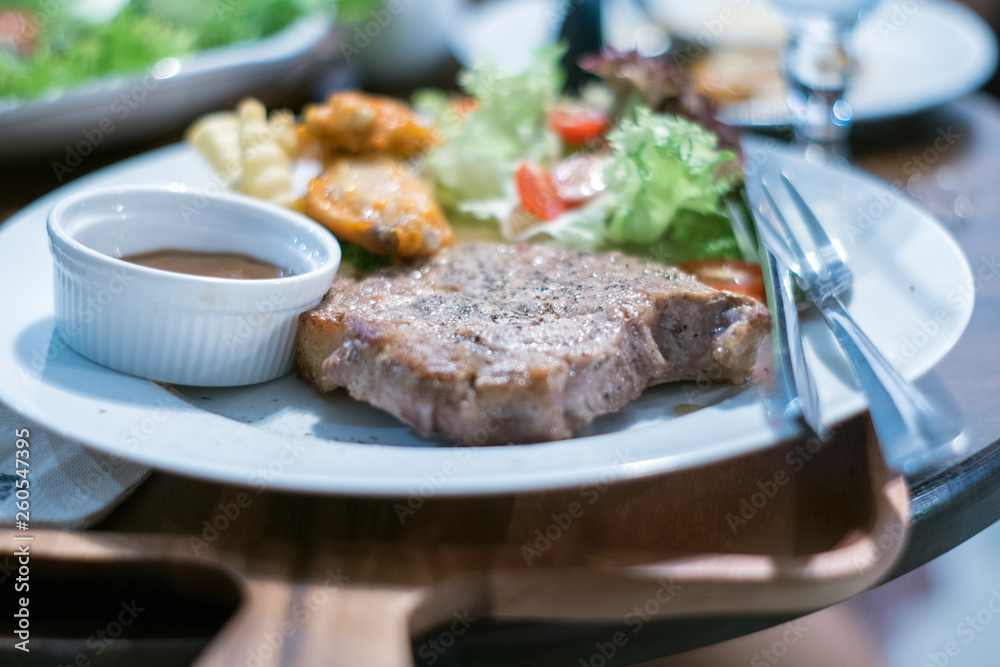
(174, 327)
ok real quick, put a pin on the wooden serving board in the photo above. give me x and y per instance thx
(351, 581)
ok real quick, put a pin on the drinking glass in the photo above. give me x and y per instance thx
(817, 68)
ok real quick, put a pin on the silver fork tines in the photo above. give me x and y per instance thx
(828, 257)
(914, 434)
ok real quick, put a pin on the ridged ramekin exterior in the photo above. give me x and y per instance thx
(180, 331)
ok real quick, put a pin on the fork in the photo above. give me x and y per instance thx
(914, 434)
(791, 396)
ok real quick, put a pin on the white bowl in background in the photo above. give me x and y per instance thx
(174, 327)
(66, 125)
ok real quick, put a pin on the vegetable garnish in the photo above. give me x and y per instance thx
(17, 31)
(660, 165)
(577, 124)
(538, 193)
(541, 165)
(732, 275)
(660, 84)
(67, 49)
(580, 177)
(486, 143)
(362, 260)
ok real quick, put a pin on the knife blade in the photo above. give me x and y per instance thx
(782, 394)
(794, 393)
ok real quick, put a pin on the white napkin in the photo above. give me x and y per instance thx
(70, 486)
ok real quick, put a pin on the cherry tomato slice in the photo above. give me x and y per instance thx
(731, 275)
(579, 178)
(578, 125)
(18, 30)
(538, 193)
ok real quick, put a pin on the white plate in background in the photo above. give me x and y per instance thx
(908, 59)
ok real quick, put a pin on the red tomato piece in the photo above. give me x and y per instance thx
(538, 193)
(578, 125)
(18, 30)
(732, 275)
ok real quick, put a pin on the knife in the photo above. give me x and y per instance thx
(791, 395)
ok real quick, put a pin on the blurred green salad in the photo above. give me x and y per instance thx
(46, 44)
(637, 162)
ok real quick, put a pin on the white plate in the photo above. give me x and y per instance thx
(72, 123)
(912, 55)
(281, 434)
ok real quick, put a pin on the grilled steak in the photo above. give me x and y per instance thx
(493, 344)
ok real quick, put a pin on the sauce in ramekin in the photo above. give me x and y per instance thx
(211, 264)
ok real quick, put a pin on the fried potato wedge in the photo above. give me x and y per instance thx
(265, 153)
(251, 151)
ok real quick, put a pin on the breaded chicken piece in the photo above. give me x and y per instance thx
(377, 203)
(356, 123)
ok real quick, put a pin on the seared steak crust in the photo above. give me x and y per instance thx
(494, 344)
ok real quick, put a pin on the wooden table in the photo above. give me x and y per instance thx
(949, 159)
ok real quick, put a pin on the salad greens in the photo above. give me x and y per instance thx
(485, 146)
(126, 43)
(67, 50)
(659, 83)
(361, 259)
(662, 165)
(664, 174)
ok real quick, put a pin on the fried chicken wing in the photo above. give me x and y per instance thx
(354, 122)
(377, 203)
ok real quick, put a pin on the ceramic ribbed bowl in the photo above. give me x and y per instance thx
(174, 327)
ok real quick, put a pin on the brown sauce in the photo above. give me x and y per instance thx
(211, 264)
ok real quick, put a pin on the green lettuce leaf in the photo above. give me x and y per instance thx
(483, 148)
(72, 49)
(361, 259)
(581, 228)
(665, 174)
(696, 236)
(665, 179)
(661, 165)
